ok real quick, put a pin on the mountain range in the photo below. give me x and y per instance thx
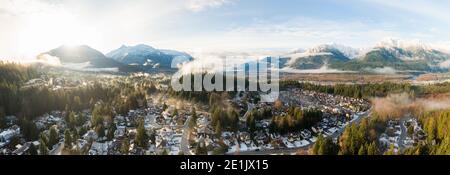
(396, 54)
(146, 56)
(390, 53)
(126, 58)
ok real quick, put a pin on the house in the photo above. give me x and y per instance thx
(120, 132)
(22, 150)
(6, 135)
(90, 135)
(98, 148)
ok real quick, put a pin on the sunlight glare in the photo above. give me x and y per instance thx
(50, 30)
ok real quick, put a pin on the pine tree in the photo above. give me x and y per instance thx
(410, 130)
(32, 150)
(390, 151)
(67, 139)
(111, 131)
(362, 151)
(431, 130)
(53, 137)
(100, 130)
(71, 120)
(125, 148)
(372, 149)
(193, 119)
(141, 135)
(317, 145)
(175, 112)
(218, 129)
(43, 150)
(164, 106)
(75, 136)
(2, 118)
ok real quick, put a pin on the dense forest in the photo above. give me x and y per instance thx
(356, 90)
(12, 76)
(361, 139)
(30, 102)
(367, 91)
(437, 128)
(296, 120)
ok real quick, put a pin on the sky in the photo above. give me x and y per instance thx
(30, 27)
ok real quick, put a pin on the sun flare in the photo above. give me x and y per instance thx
(49, 30)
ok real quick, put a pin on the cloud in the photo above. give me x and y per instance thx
(218, 61)
(445, 64)
(305, 32)
(398, 105)
(199, 5)
(429, 8)
(383, 70)
(48, 59)
(323, 69)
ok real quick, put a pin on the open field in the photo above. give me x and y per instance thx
(361, 78)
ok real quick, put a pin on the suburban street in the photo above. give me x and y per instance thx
(184, 139)
(404, 133)
(288, 151)
(58, 150)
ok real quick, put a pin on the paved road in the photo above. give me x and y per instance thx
(185, 138)
(289, 151)
(250, 107)
(58, 150)
(404, 133)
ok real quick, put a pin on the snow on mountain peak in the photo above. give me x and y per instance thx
(345, 50)
(124, 50)
(403, 44)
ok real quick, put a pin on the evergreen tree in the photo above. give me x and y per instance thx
(431, 130)
(218, 129)
(362, 150)
(193, 119)
(2, 118)
(67, 139)
(325, 146)
(100, 130)
(410, 130)
(29, 130)
(141, 135)
(53, 137)
(32, 150)
(43, 150)
(111, 130)
(165, 152)
(175, 112)
(71, 120)
(390, 151)
(372, 149)
(164, 106)
(125, 148)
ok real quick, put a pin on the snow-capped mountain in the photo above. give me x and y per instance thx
(147, 56)
(347, 51)
(320, 56)
(397, 54)
(82, 57)
(81, 54)
(413, 51)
